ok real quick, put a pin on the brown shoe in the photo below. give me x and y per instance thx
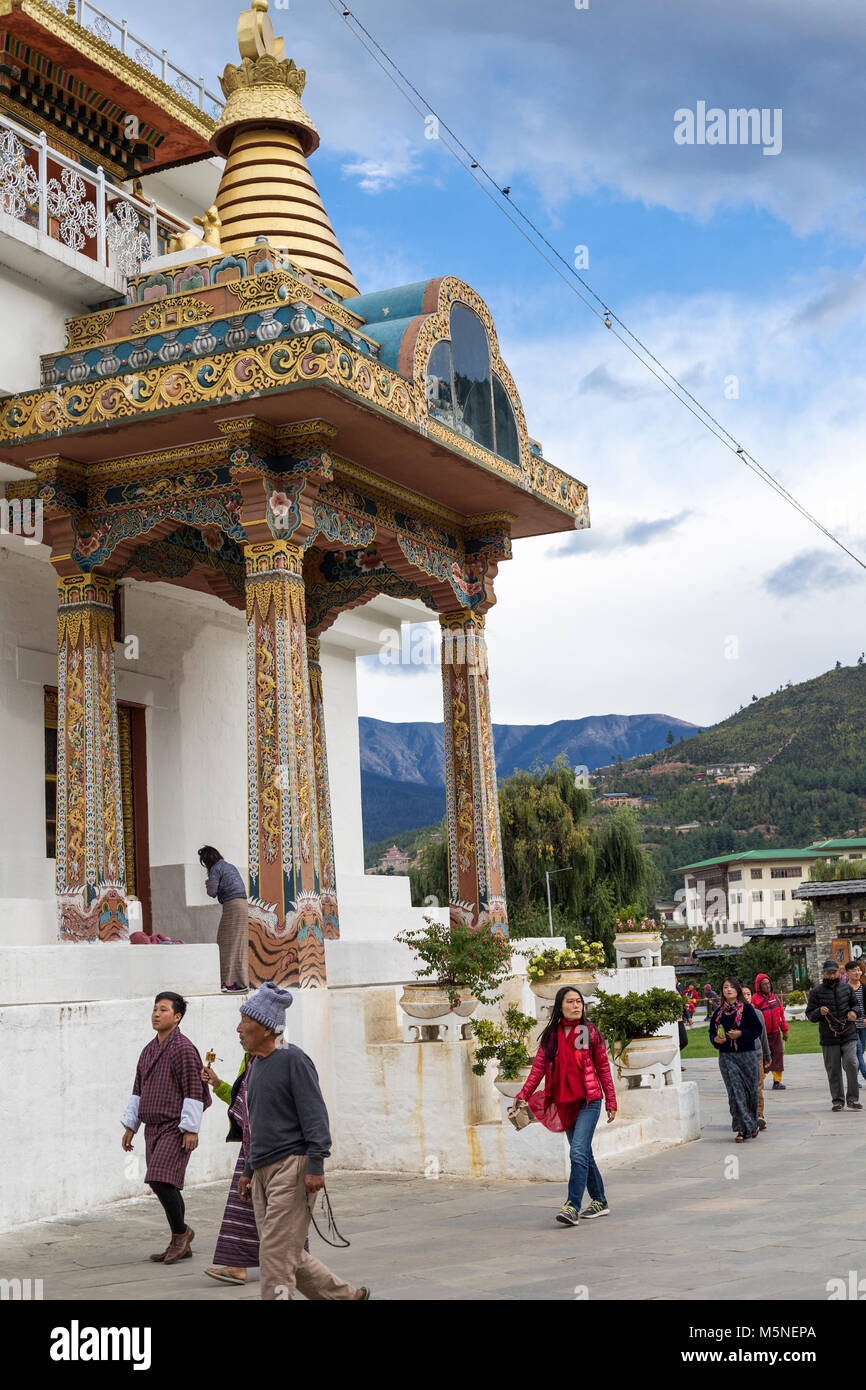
(180, 1247)
(162, 1254)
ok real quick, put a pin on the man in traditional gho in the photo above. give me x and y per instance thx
(289, 1141)
(169, 1099)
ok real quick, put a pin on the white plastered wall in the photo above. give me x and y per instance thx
(190, 675)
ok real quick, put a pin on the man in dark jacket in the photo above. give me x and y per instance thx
(832, 1006)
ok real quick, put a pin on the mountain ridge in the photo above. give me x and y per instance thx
(414, 751)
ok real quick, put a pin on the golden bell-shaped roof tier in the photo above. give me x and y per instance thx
(266, 135)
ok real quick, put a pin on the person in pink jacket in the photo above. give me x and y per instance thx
(572, 1061)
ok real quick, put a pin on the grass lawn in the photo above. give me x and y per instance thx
(802, 1037)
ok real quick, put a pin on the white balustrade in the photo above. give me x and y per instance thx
(120, 36)
(80, 208)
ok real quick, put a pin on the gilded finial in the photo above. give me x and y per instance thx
(265, 88)
(256, 35)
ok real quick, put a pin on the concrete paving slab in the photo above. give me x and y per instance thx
(416, 1239)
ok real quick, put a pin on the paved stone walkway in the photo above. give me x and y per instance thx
(782, 1220)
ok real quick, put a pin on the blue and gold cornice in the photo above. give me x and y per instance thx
(67, 411)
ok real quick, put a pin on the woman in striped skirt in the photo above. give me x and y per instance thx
(226, 885)
(237, 1247)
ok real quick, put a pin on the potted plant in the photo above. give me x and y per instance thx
(576, 966)
(637, 939)
(795, 1004)
(508, 1044)
(630, 1022)
(461, 968)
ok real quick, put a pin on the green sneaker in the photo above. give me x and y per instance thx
(595, 1208)
(567, 1215)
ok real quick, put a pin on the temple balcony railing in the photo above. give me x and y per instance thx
(70, 205)
(154, 61)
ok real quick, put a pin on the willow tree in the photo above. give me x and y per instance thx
(546, 829)
(544, 819)
(621, 862)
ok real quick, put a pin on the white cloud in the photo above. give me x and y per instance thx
(563, 101)
(374, 175)
(631, 627)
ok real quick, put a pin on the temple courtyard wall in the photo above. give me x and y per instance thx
(74, 1019)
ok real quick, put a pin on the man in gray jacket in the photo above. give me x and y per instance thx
(762, 1046)
(289, 1142)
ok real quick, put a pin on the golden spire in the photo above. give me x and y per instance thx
(266, 135)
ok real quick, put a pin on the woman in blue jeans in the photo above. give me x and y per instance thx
(572, 1060)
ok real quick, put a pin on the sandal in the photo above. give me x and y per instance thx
(221, 1273)
(740, 1139)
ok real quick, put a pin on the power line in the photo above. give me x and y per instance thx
(470, 164)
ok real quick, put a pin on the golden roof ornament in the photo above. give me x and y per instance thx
(264, 133)
(265, 87)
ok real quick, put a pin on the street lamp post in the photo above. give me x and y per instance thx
(567, 870)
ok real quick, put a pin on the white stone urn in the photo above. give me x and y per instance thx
(637, 948)
(509, 1089)
(426, 1001)
(548, 986)
(795, 1011)
(639, 1054)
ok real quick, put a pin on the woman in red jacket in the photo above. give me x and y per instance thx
(572, 1059)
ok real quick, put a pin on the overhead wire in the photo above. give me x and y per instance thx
(555, 260)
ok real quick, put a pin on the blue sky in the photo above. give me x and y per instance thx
(724, 260)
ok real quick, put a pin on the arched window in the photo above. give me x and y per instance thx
(463, 392)
(505, 425)
(470, 354)
(440, 402)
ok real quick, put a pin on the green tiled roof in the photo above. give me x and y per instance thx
(840, 844)
(754, 854)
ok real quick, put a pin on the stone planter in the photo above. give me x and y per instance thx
(637, 948)
(509, 1089)
(652, 1057)
(548, 986)
(795, 1011)
(639, 1054)
(546, 989)
(427, 1001)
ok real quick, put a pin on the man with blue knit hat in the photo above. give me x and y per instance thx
(289, 1142)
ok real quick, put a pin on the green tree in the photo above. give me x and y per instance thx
(670, 738)
(621, 861)
(764, 956)
(428, 880)
(544, 821)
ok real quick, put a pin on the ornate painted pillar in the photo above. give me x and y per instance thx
(327, 876)
(286, 916)
(476, 878)
(91, 892)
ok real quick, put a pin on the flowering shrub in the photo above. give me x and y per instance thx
(552, 962)
(622, 924)
(461, 961)
(507, 1044)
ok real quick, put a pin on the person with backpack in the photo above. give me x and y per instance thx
(832, 1005)
(572, 1061)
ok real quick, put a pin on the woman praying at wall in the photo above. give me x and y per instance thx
(226, 885)
(734, 1029)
